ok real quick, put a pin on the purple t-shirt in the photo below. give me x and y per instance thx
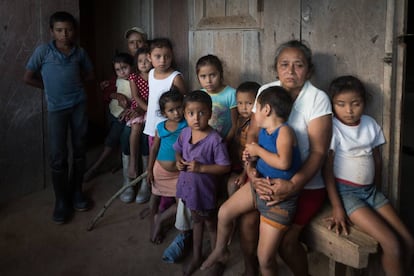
(199, 190)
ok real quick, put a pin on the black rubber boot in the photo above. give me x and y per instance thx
(80, 202)
(63, 209)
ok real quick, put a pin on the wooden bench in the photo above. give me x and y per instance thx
(352, 250)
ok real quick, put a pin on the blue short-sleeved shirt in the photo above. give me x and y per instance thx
(61, 74)
(168, 138)
(223, 102)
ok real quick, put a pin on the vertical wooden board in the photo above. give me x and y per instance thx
(237, 7)
(179, 35)
(162, 23)
(281, 22)
(171, 21)
(201, 43)
(348, 38)
(215, 8)
(251, 56)
(228, 48)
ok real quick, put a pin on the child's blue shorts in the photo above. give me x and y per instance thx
(354, 197)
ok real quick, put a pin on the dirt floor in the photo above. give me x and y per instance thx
(31, 244)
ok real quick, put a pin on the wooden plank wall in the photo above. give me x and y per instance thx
(23, 157)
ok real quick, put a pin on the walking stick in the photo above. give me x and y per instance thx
(109, 202)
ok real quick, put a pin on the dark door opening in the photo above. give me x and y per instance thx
(407, 161)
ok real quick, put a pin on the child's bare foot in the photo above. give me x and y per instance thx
(156, 235)
(215, 257)
(192, 266)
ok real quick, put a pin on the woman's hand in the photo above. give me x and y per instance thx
(273, 190)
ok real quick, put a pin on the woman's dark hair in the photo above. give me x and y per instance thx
(210, 60)
(124, 58)
(278, 99)
(346, 84)
(198, 96)
(62, 16)
(173, 95)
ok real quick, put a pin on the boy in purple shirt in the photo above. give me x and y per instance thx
(201, 156)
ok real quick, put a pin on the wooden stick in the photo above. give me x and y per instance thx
(109, 202)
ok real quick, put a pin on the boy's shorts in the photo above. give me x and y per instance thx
(279, 215)
(308, 204)
(355, 197)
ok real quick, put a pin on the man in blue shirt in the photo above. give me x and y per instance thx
(63, 66)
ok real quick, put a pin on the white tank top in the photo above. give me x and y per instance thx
(156, 89)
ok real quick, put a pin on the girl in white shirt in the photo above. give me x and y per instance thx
(352, 173)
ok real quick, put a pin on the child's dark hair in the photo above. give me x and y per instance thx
(140, 51)
(173, 95)
(159, 43)
(162, 43)
(124, 58)
(278, 99)
(346, 84)
(210, 60)
(62, 16)
(248, 87)
(198, 96)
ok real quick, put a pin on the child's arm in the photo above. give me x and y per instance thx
(31, 78)
(194, 166)
(339, 220)
(179, 84)
(253, 131)
(134, 92)
(376, 153)
(152, 157)
(232, 132)
(284, 144)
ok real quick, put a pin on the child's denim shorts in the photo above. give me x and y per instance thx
(357, 197)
